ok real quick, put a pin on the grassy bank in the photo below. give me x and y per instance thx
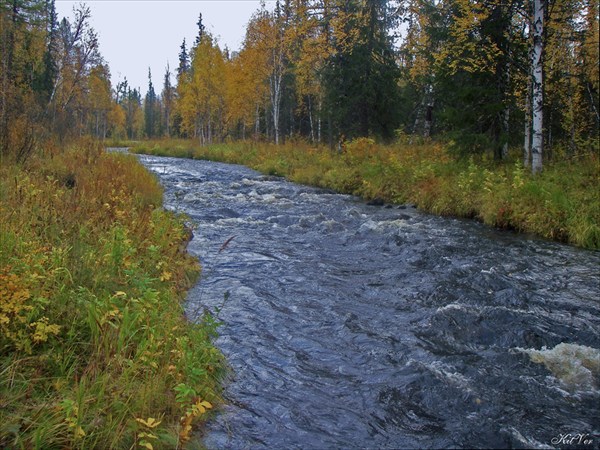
(560, 204)
(95, 351)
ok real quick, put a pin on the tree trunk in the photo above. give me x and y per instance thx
(276, 101)
(424, 119)
(428, 119)
(537, 144)
(527, 140)
(310, 119)
(319, 123)
(7, 79)
(506, 115)
(257, 123)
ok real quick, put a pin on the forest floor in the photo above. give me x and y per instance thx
(562, 203)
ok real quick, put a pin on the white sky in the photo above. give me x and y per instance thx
(137, 34)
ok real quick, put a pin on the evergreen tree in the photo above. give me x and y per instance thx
(150, 104)
(201, 30)
(362, 75)
(134, 117)
(44, 83)
(167, 97)
(184, 61)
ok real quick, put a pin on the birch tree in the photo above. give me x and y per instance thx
(537, 97)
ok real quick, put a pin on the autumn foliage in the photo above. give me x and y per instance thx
(93, 336)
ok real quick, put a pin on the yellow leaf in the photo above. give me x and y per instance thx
(206, 404)
(79, 432)
(166, 276)
(146, 444)
(147, 435)
(150, 423)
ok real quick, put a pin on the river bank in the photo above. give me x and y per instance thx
(95, 350)
(561, 204)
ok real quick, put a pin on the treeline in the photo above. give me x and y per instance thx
(53, 80)
(484, 76)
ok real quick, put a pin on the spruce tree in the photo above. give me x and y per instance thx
(184, 60)
(201, 29)
(150, 109)
(361, 78)
(168, 97)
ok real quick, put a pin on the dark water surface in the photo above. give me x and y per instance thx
(355, 326)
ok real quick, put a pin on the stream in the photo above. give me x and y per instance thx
(354, 326)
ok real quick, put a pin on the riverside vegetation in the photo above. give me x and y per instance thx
(95, 351)
(562, 203)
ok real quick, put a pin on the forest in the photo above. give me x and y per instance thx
(482, 109)
(482, 76)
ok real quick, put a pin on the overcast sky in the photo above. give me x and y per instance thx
(137, 34)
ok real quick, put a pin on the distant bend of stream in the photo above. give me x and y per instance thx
(356, 326)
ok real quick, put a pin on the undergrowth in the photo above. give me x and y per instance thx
(95, 351)
(560, 204)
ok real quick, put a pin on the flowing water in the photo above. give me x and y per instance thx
(355, 326)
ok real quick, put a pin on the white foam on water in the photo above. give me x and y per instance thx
(332, 226)
(448, 374)
(576, 366)
(239, 221)
(383, 225)
(269, 198)
(450, 306)
(482, 309)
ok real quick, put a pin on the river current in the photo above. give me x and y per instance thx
(351, 326)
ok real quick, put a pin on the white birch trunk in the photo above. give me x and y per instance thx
(537, 144)
(276, 78)
(276, 82)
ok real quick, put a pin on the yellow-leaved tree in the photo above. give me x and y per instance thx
(201, 93)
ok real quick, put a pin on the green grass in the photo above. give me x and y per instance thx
(562, 203)
(94, 346)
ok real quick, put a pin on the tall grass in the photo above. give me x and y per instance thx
(95, 350)
(561, 204)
